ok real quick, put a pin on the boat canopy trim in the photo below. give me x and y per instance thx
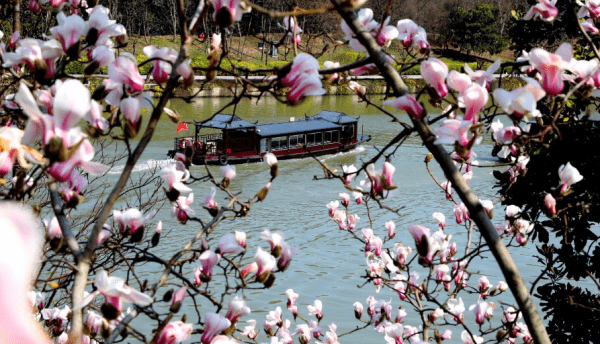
(222, 121)
(334, 117)
(277, 129)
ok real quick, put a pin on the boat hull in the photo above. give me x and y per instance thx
(281, 155)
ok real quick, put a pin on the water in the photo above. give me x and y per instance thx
(329, 263)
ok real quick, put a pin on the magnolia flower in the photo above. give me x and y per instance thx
(250, 330)
(550, 204)
(265, 263)
(440, 219)
(230, 245)
(124, 70)
(410, 34)
(228, 11)
(391, 226)
(357, 197)
(545, 9)
(175, 332)
(315, 309)
(357, 88)
(174, 175)
(115, 292)
(352, 220)
(590, 8)
(345, 199)
(228, 172)
(467, 339)
(236, 308)
(12, 150)
(521, 102)
(214, 324)
(208, 259)
(419, 233)
(68, 30)
(475, 98)
(456, 308)
(484, 78)
(483, 310)
(434, 72)
(406, 103)
(569, 175)
(132, 219)
(461, 213)
(20, 248)
(210, 203)
(552, 66)
(182, 209)
(275, 240)
(512, 211)
(303, 78)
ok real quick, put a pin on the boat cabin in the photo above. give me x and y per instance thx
(234, 140)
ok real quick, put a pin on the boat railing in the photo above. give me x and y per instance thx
(210, 137)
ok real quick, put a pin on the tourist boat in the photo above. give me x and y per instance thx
(232, 140)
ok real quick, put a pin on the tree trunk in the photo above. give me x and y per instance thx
(17, 16)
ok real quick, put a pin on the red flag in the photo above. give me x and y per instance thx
(181, 126)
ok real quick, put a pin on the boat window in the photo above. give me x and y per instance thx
(263, 145)
(278, 143)
(318, 138)
(327, 136)
(348, 131)
(296, 141)
(335, 136)
(310, 139)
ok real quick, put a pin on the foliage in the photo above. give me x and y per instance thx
(476, 30)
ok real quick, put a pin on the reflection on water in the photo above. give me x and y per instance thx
(329, 263)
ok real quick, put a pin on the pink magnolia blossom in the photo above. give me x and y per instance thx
(182, 209)
(303, 78)
(550, 204)
(68, 30)
(357, 197)
(345, 199)
(441, 273)
(20, 247)
(124, 70)
(265, 263)
(591, 8)
(209, 201)
(174, 175)
(522, 228)
(391, 226)
(483, 285)
(340, 217)
(440, 219)
(544, 9)
(461, 213)
(105, 27)
(475, 98)
(330, 65)
(419, 233)
(569, 175)
(410, 34)
(357, 88)
(467, 339)
(275, 240)
(453, 131)
(228, 172)
(229, 245)
(488, 206)
(273, 319)
(316, 309)
(521, 102)
(291, 303)
(552, 66)
(484, 77)
(287, 253)
(406, 103)
(240, 237)
(352, 220)
(456, 308)
(512, 211)
(214, 324)
(228, 11)
(208, 259)
(12, 150)
(175, 332)
(116, 292)
(131, 219)
(434, 72)
(483, 310)
(447, 187)
(349, 173)
(250, 330)
(458, 81)
(236, 308)
(52, 227)
(365, 17)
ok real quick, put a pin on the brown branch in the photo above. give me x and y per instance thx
(501, 254)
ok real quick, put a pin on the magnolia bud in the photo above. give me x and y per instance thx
(168, 295)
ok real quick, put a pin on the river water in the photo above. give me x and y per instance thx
(329, 263)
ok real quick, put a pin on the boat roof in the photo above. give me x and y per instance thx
(276, 129)
(334, 117)
(222, 121)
